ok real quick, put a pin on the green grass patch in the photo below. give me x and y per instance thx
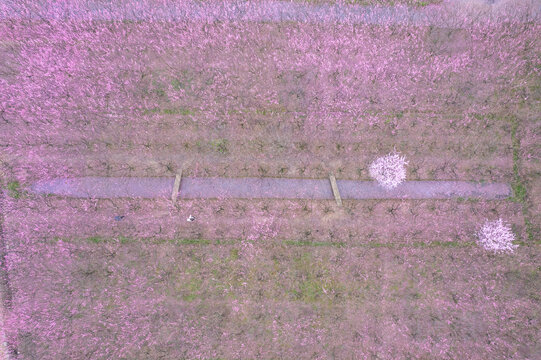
(96, 239)
(14, 189)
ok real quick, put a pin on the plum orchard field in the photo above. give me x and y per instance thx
(269, 279)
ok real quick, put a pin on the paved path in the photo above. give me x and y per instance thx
(450, 15)
(264, 188)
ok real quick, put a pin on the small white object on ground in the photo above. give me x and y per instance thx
(191, 218)
(389, 171)
(496, 236)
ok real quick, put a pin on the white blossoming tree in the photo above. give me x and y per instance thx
(389, 171)
(496, 236)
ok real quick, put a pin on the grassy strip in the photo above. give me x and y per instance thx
(519, 188)
(416, 244)
(184, 241)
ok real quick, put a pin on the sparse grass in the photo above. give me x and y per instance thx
(192, 241)
(124, 240)
(519, 190)
(309, 291)
(313, 243)
(170, 111)
(471, 200)
(316, 280)
(262, 170)
(234, 254)
(177, 85)
(160, 92)
(272, 110)
(191, 289)
(96, 239)
(220, 145)
(183, 81)
(520, 193)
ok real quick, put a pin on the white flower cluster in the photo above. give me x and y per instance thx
(497, 237)
(389, 171)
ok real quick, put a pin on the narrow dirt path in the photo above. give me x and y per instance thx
(264, 188)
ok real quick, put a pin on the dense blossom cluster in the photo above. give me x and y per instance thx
(389, 170)
(496, 236)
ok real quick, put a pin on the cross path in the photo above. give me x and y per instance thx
(264, 188)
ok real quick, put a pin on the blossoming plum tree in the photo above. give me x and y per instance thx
(496, 236)
(389, 171)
